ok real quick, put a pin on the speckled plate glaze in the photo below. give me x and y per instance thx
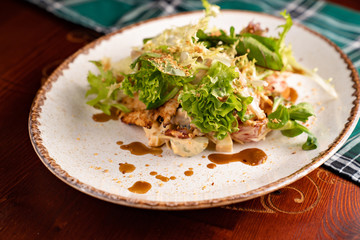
(84, 154)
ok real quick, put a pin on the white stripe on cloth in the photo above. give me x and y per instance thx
(353, 137)
(347, 26)
(355, 55)
(308, 12)
(357, 64)
(330, 34)
(55, 7)
(169, 8)
(350, 144)
(72, 2)
(293, 5)
(348, 164)
(345, 160)
(340, 155)
(134, 14)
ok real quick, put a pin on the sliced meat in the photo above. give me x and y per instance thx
(142, 118)
(277, 84)
(167, 111)
(145, 118)
(179, 133)
(133, 103)
(251, 131)
(254, 28)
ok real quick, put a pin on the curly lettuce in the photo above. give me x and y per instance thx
(213, 105)
(268, 52)
(156, 80)
(105, 86)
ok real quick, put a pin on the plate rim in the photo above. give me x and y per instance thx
(50, 163)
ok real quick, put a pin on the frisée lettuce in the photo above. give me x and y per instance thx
(192, 84)
(212, 105)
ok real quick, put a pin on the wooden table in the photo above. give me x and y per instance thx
(35, 204)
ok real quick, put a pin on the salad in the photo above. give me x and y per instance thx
(192, 85)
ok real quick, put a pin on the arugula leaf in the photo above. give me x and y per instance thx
(285, 120)
(216, 40)
(143, 56)
(104, 85)
(301, 111)
(268, 52)
(279, 118)
(262, 49)
(311, 142)
(212, 105)
(277, 101)
(157, 80)
(294, 129)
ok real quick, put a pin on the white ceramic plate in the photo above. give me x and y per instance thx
(84, 154)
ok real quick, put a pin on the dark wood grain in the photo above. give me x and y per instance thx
(34, 204)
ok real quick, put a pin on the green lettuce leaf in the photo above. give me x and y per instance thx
(267, 51)
(215, 41)
(279, 118)
(286, 27)
(262, 49)
(285, 120)
(301, 111)
(213, 105)
(104, 85)
(155, 80)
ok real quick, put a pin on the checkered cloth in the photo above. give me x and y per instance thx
(341, 25)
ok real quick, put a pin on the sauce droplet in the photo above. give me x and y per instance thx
(140, 187)
(250, 156)
(153, 173)
(293, 95)
(138, 148)
(119, 142)
(298, 70)
(162, 178)
(172, 178)
(211, 165)
(102, 117)
(126, 168)
(189, 172)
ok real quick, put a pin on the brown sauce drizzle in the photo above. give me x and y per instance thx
(140, 187)
(102, 117)
(138, 148)
(119, 143)
(162, 178)
(126, 168)
(250, 156)
(211, 165)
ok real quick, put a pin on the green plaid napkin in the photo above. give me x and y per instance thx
(341, 25)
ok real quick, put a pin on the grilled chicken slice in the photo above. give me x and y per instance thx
(251, 131)
(146, 118)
